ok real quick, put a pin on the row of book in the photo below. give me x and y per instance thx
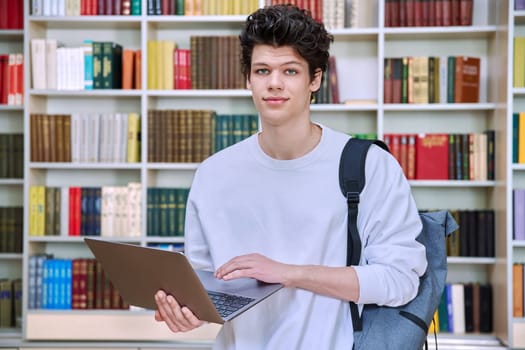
(166, 210)
(77, 283)
(518, 294)
(429, 156)
(10, 303)
(465, 308)
(518, 137)
(11, 156)
(329, 90)
(429, 79)
(111, 211)
(85, 137)
(11, 14)
(421, 13)
(92, 65)
(193, 135)
(518, 214)
(475, 236)
(12, 79)
(170, 67)
(201, 7)
(335, 14)
(62, 8)
(11, 229)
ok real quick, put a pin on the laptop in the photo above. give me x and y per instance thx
(139, 272)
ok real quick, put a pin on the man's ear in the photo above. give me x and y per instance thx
(316, 81)
(248, 85)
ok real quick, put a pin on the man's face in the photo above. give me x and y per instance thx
(280, 84)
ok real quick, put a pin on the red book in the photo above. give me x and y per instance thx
(465, 12)
(447, 12)
(138, 70)
(394, 12)
(332, 75)
(388, 81)
(4, 78)
(75, 198)
(19, 91)
(4, 14)
(79, 284)
(12, 80)
(12, 14)
(395, 146)
(411, 157)
(418, 13)
(466, 79)
(432, 157)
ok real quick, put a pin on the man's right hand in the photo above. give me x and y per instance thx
(177, 318)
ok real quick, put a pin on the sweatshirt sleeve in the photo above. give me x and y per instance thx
(388, 221)
(196, 245)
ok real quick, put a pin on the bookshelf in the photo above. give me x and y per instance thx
(11, 187)
(515, 175)
(360, 52)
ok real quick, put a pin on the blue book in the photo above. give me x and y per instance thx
(88, 64)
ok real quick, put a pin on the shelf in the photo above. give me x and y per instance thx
(11, 256)
(440, 107)
(457, 260)
(451, 183)
(108, 325)
(86, 93)
(11, 182)
(79, 239)
(11, 34)
(199, 93)
(161, 239)
(452, 32)
(344, 107)
(90, 166)
(101, 22)
(11, 108)
(518, 244)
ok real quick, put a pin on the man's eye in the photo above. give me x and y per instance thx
(262, 71)
(290, 72)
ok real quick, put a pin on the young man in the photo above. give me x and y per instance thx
(270, 207)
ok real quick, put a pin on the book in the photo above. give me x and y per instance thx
(432, 157)
(111, 65)
(517, 290)
(467, 79)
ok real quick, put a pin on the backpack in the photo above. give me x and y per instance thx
(403, 327)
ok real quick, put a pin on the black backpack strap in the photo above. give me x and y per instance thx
(352, 182)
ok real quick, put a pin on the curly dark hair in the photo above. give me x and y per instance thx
(286, 25)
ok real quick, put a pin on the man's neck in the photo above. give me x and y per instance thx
(285, 143)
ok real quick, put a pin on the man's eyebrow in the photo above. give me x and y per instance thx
(282, 64)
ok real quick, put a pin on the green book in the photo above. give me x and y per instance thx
(97, 65)
(111, 65)
(451, 75)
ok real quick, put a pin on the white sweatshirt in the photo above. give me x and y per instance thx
(243, 201)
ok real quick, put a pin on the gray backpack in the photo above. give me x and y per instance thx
(404, 327)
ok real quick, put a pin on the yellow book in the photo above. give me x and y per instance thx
(521, 138)
(133, 144)
(434, 324)
(152, 66)
(519, 62)
(37, 215)
(167, 71)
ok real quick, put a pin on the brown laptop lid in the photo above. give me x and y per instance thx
(139, 272)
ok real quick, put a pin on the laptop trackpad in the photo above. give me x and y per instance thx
(247, 287)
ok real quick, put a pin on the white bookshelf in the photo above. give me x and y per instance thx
(360, 53)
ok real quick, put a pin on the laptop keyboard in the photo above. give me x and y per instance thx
(226, 304)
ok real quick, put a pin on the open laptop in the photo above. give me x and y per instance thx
(139, 272)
